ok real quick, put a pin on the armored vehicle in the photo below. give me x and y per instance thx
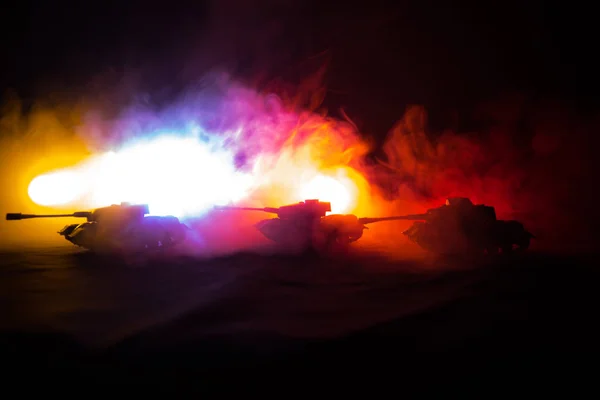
(122, 228)
(457, 227)
(306, 224)
(460, 226)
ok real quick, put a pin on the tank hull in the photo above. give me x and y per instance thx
(499, 237)
(324, 233)
(147, 234)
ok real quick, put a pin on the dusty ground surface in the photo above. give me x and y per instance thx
(187, 324)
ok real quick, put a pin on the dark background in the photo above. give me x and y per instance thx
(382, 56)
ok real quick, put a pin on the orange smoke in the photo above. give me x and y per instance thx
(288, 155)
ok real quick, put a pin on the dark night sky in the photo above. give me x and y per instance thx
(384, 55)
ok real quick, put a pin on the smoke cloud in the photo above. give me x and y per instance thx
(532, 159)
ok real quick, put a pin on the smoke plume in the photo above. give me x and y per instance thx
(532, 159)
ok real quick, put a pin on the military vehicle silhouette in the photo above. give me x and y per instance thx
(306, 224)
(122, 228)
(459, 226)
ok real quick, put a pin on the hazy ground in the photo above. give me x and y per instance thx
(349, 316)
(102, 300)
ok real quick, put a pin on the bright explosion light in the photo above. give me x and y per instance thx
(56, 188)
(338, 192)
(174, 176)
(185, 177)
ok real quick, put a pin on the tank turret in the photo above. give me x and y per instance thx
(117, 228)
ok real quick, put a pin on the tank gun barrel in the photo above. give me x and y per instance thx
(20, 216)
(265, 209)
(411, 217)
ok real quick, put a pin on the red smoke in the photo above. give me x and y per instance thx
(532, 160)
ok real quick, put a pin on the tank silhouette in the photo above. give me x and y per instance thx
(306, 224)
(122, 228)
(459, 226)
